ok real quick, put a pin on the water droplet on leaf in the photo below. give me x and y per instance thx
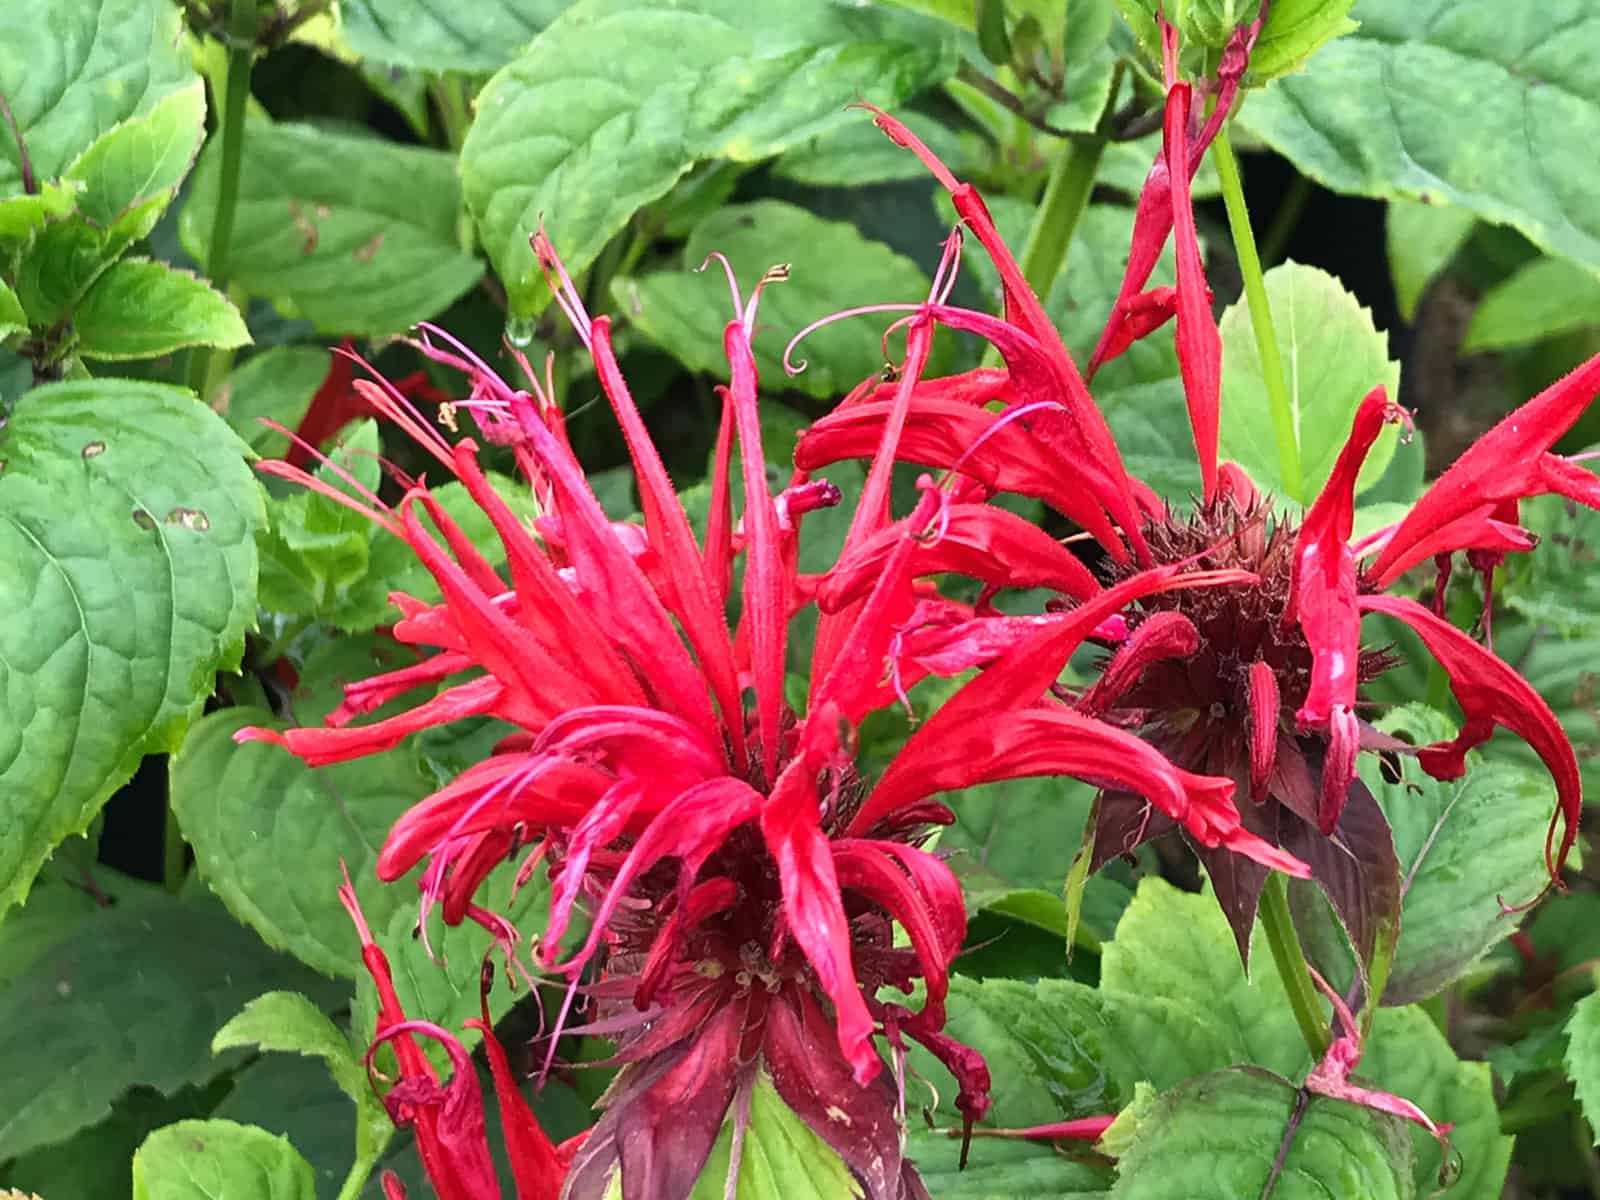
(519, 332)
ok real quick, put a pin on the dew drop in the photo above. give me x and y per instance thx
(519, 332)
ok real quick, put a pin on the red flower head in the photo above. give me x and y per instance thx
(1247, 678)
(743, 900)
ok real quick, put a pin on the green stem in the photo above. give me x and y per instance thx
(1292, 969)
(1066, 195)
(1255, 291)
(235, 100)
(174, 853)
(360, 1171)
(279, 646)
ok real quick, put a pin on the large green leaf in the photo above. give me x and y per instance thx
(1178, 945)
(71, 69)
(139, 309)
(354, 234)
(858, 154)
(1490, 106)
(289, 1022)
(1218, 1138)
(1332, 357)
(207, 1160)
(1544, 298)
(594, 120)
(781, 1159)
(441, 35)
(831, 267)
(1058, 1049)
(127, 523)
(1467, 847)
(1001, 1170)
(1407, 1055)
(132, 998)
(269, 832)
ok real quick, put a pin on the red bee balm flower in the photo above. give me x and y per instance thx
(744, 904)
(1252, 678)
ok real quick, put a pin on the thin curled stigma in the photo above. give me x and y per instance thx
(794, 368)
(562, 287)
(733, 281)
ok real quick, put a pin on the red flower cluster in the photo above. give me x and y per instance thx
(1250, 684)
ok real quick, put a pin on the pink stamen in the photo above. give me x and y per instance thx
(566, 294)
(733, 282)
(774, 274)
(794, 368)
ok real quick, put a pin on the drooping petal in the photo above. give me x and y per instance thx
(979, 541)
(1160, 636)
(1511, 461)
(1019, 679)
(1264, 705)
(536, 1165)
(1492, 694)
(812, 909)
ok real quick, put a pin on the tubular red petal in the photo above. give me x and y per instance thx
(1508, 462)
(1199, 343)
(1018, 679)
(979, 541)
(813, 911)
(319, 747)
(1322, 580)
(1159, 636)
(692, 594)
(1264, 705)
(1491, 693)
(1134, 318)
(365, 695)
(1152, 222)
(765, 589)
(719, 517)
(1480, 530)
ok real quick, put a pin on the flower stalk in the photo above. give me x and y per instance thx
(1255, 291)
(235, 100)
(1066, 195)
(1292, 968)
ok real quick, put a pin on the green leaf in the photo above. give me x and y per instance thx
(127, 523)
(124, 182)
(141, 158)
(1001, 1169)
(1150, 422)
(1547, 297)
(354, 234)
(1422, 239)
(583, 149)
(293, 1097)
(139, 309)
(858, 154)
(270, 832)
(440, 36)
(1217, 1138)
(1471, 102)
(782, 1159)
(1407, 1055)
(831, 267)
(1333, 356)
(23, 216)
(1556, 590)
(12, 318)
(1177, 945)
(71, 69)
(131, 999)
(277, 383)
(1058, 1050)
(1465, 846)
(60, 903)
(206, 1160)
(1583, 1055)
(289, 1022)
(1293, 29)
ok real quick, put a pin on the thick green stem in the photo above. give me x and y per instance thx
(1255, 291)
(1066, 195)
(360, 1171)
(1292, 969)
(235, 100)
